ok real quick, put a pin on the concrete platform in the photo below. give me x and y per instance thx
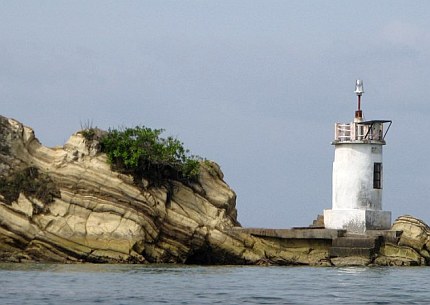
(387, 235)
(364, 246)
(340, 243)
(295, 233)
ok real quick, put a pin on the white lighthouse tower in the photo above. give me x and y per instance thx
(357, 175)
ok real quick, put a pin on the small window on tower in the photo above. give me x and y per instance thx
(377, 175)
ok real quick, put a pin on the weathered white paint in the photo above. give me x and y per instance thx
(353, 177)
(356, 204)
(357, 220)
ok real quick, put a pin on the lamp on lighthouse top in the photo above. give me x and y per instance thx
(359, 87)
(359, 91)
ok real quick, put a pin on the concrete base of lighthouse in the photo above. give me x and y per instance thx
(357, 220)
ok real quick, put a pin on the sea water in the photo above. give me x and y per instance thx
(172, 284)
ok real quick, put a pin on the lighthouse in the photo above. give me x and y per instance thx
(358, 174)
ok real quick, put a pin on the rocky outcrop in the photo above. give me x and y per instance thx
(65, 204)
(90, 213)
(411, 248)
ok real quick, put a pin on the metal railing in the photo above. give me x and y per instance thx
(358, 132)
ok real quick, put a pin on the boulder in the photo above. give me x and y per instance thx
(412, 248)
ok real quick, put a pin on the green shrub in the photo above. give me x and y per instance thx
(142, 152)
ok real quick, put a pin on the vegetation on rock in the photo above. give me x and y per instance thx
(142, 152)
(4, 148)
(32, 184)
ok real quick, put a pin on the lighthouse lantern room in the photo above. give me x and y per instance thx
(358, 174)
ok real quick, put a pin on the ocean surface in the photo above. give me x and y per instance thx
(164, 284)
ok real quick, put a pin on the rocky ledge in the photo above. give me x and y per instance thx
(65, 204)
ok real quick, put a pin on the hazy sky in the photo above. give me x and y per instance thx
(254, 85)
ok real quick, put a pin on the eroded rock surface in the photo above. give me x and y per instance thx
(65, 204)
(99, 215)
(93, 214)
(412, 248)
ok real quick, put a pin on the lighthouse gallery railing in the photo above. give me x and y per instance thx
(361, 131)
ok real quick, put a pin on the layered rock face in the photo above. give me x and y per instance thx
(65, 204)
(413, 246)
(72, 207)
